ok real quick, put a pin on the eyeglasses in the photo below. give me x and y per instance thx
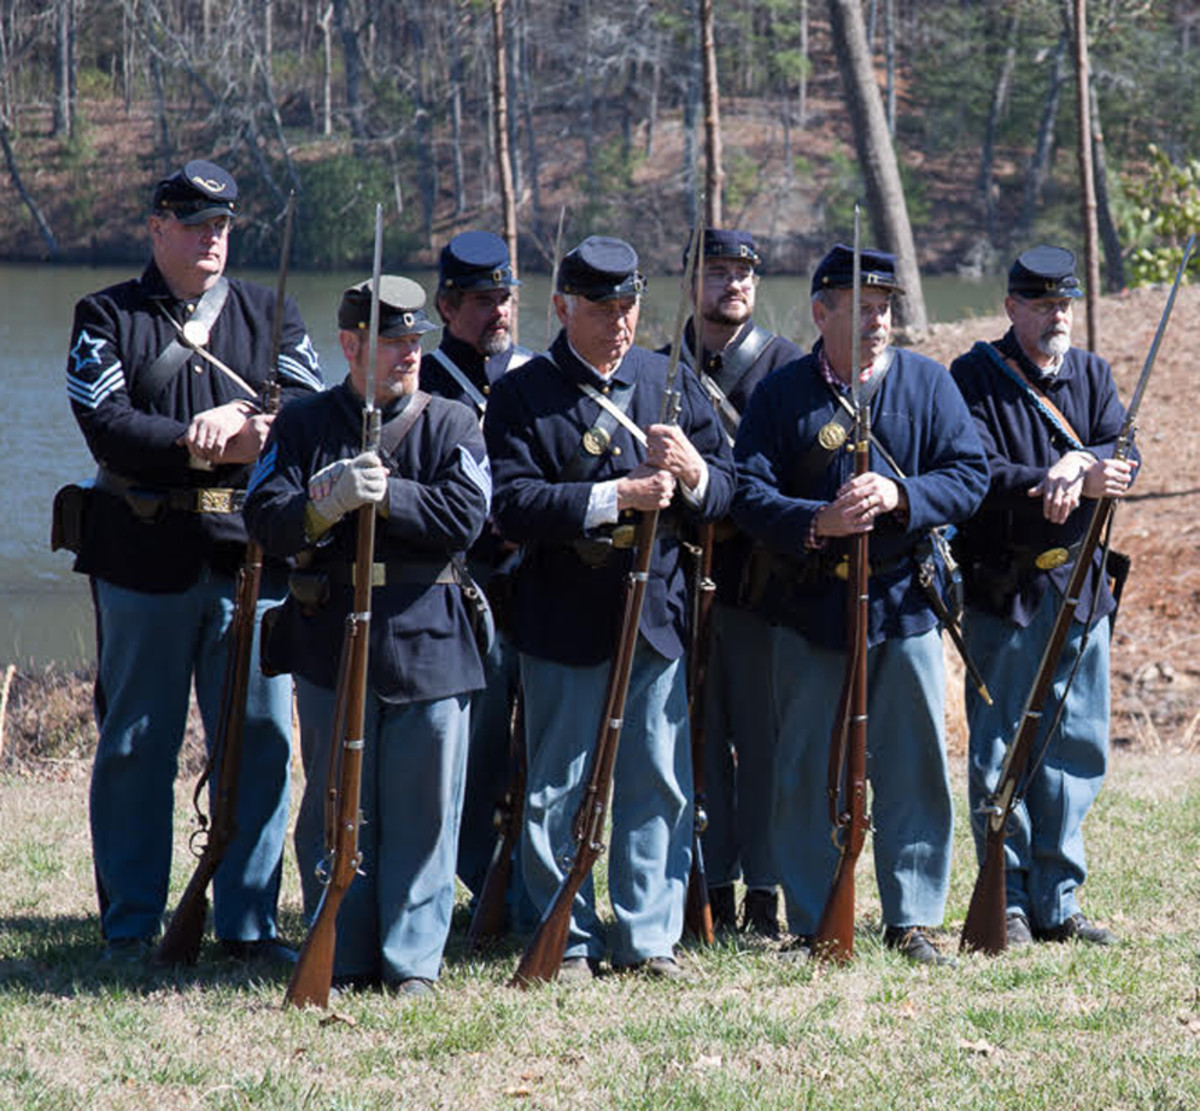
(726, 275)
(1049, 306)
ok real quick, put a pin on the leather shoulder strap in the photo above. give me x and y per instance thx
(393, 433)
(151, 381)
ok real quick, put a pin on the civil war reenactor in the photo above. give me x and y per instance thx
(796, 495)
(431, 486)
(578, 450)
(165, 376)
(1048, 415)
(731, 354)
(475, 299)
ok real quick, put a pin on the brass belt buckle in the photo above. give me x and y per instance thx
(1052, 558)
(623, 536)
(214, 500)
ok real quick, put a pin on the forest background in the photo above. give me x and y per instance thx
(353, 102)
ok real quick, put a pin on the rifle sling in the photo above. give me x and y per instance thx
(151, 382)
(1060, 428)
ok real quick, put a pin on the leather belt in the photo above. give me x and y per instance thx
(191, 499)
(395, 572)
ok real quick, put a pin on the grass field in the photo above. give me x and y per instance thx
(1051, 1027)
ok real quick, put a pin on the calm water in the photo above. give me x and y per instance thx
(45, 610)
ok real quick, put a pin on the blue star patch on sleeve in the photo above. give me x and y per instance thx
(86, 351)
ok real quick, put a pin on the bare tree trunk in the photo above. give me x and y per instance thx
(510, 70)
(525, 99)
(714, 177)
(503, 165)
(11, 161)
(802, 107)
(456, 136)
(352, 60)
(1087, 186)
(325, 23)
(589, 136)
(987, 160)
(64, 33)
(1039, 166)
(1114, 260)
(655, 85)
(889, 54)
(693, 95)
(877, 160)
(162, 133)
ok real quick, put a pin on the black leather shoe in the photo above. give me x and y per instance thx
(263, 950)
(760, 912)
(915, 944)
(658, 968)
(1016, 927)
(724, 908)
(1077, 928)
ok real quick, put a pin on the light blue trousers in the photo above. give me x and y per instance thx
(150, 648)
(1044, 855)
(650, 849)
(911, 807)
(394, 920)
(739, 750)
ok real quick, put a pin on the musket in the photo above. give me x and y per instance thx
(986, 928)
(180, 943)
(313, 974)
(487, 922)
(543, 954)
(697, 909)
(834, 938)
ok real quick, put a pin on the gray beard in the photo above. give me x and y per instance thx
(496, 344)
(1056, 345)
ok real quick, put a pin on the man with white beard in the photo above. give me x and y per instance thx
(1048, 416)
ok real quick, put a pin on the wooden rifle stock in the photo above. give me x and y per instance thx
(834, 939)
(487, 923)
(985, 928)
(848, 760)
(313, 975)
(544, 953)
(180, 942)
(697, 911)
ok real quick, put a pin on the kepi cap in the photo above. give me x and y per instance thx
(836, 270)
(475, 260)
(601, 269)
(198, 192)
(1044, 271)
(729, 243)
(401, 307)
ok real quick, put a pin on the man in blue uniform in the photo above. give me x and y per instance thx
(1048, 416)
(476, 303)
(578, 451)
(798, 495)
(164, 376)
(431, 486)
(735, 354)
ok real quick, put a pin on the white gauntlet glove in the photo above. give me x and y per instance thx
(343, 486)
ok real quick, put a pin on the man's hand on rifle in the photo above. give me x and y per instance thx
(858, 503)
(230, 433)
(669, 448)
(645, 488)
(343, 486)
(1079, 474)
